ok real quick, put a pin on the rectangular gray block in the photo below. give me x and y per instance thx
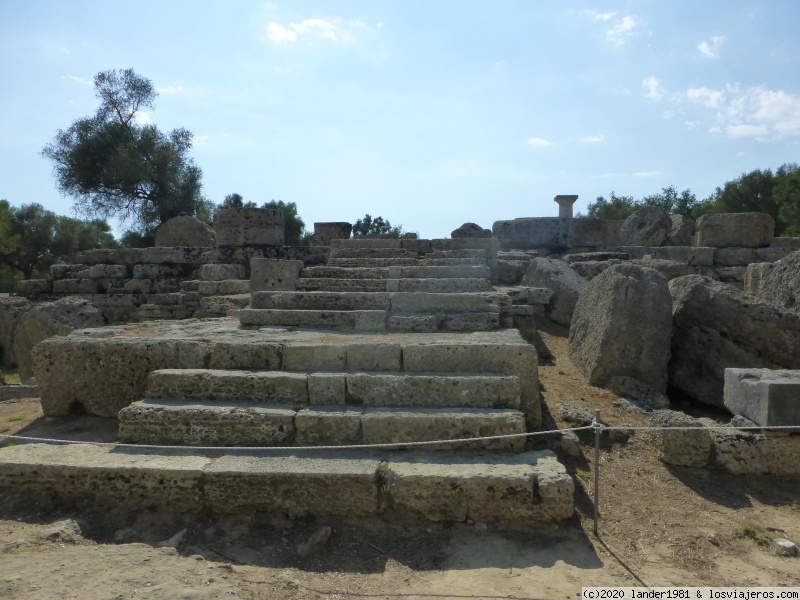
(322, 300)
(328, 425)
(765, 396)
(223, 385)
(355, 320)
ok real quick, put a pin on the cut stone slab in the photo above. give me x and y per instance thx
(684, 440)
(437, 285)
(225, 385)
(328, 425)
(433, 390)
(194, 423)
(356, 320)
(765, 396)
(331, 272)
(532, 486)
(322, 300)
(724, 230)
(566, 286)
(185, 231)
(780, 285)
(125, 476)
(311, 284)
(433, 272)
(398, 425)
(296, 486)
(11, 310)
(249, 227)
(647, 226)
(420, 302)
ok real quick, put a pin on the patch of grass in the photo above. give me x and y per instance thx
(794, 503)
(756, 532)
(13, 418)
(11, 377)
(582, 473)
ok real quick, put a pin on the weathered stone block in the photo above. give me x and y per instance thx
(327, 388)
(566, 286)
(681, 232)
(682, 447)
(185, 231)
(647, 226)
(156, 271)
(315, 358)
(755, 276)
(227, 287)
(274, 275)
(374, 357)
(765, 396)
(224, 385)
(781, 287)
(411, 324)
(471, 230)
(723, 230)
(325, 232)
(66, 271)
(221, 272)
(11, 310)
(33, 287)
(249, 227)
(622, 326)
(735, 257)
(328, 425)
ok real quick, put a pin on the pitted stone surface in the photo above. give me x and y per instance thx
(770, 398)
(223, 385)
(647, 226)
(780, 285)
(682, 447)
(724, 230)
(249, 227)
(185, 231)
(566, 286)
(11, 310)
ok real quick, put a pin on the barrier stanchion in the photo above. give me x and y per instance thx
(596, 425)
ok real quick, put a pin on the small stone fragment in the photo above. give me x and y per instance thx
(174, 541)
(787, 547)
(315, 542)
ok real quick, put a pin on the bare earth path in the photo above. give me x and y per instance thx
(659, 526)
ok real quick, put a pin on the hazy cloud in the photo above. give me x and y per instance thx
(711, 49)
(591, 139)
(654, 89)
(78, 80)
(538, 142)
(334, 31)
(171, 89)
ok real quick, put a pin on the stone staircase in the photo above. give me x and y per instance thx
(338, 364)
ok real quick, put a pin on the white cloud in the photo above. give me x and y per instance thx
(333, 31)
(539, 142)
(171, 89)
(142, 118)
(647, 173)
(711, 50)
(754, 112)
(591, 139)
(622, 29)
(600, 16)
(655, 91)
(78, 80)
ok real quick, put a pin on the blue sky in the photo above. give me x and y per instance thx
(430, 114)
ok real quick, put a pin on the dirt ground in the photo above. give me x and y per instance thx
(659, 526)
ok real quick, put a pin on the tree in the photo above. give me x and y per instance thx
(376, 226)
(615, 209)
(295, 227)
(236, 201)
(8, 239)
(114, 166)
(671, 201)
(787, 195)
(45, 238)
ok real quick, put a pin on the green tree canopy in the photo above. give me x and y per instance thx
(45, 238)
(616, 208)
(378, 225)
(296, 234)
(116, 167)
(8, 239)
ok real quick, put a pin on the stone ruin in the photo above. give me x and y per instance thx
(356, 342)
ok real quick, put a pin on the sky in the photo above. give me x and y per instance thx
(428, 113)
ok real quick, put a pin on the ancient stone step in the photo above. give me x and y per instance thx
(464, 321)
(367, 253)
(341, 285)
(353, 320)
(530, 487)
(322, 300)
(195, 423)
(329, 272)
(384, 388)
(404, 262)
(440, 286)
(439, 272)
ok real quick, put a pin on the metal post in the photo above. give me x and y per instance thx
(596, 425)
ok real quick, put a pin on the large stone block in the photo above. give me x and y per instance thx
(471, 230)
(755, 276)
(48, 320)
(566, 284)
(724, 230)
(647, 226)
(157, 271)
(11, 310)
(185, 231)
(716, 327)
(222, 385)
(249, 227)
(267, 274)
(221, 272)
(556, 234)
(681, 232)
(622, 326)
(684, 440)
(770, 398)
(328, 425)
(781, 286)
(325, 232)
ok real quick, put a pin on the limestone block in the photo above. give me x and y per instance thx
(111, 256)
(322, 300)
(226, 287)
(724, 230)
(11, 310)
(80, 286)
(335, 485)
(356, 320)
(328, 425)
(327, 388)
(274, 275)
(471, 230)
(418, 323)
(221, 272)
(152, 286)
(305, 284)
(745, 453)
(438, 391)
(566, 286)
(755, 276)
(75, 472)
(397, 425)
(439, 286)
(156, 271)
(222, 306)
(735, 257)
(33, 287)
(315, 358)
(372, 357)
(185, 231)
(244, 354)
(51, 319)
(622, 326)
(182, 255)
(224, 385)
(791, 243)
(66, 271)
(419, 246)
(249, 227)
(361, 242)
(701, 256)
(765, 396)
(717, 327)
(670, 269)
(190, 286)
(781, 286)
(592, 268)
(103, 272)
(449, 272)
(682, 447)
(13, 392)
(632, 389)
(532, 487)
(325, 232)
(405, 303)
(772, 254)
(647, 226)
(681, 232)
